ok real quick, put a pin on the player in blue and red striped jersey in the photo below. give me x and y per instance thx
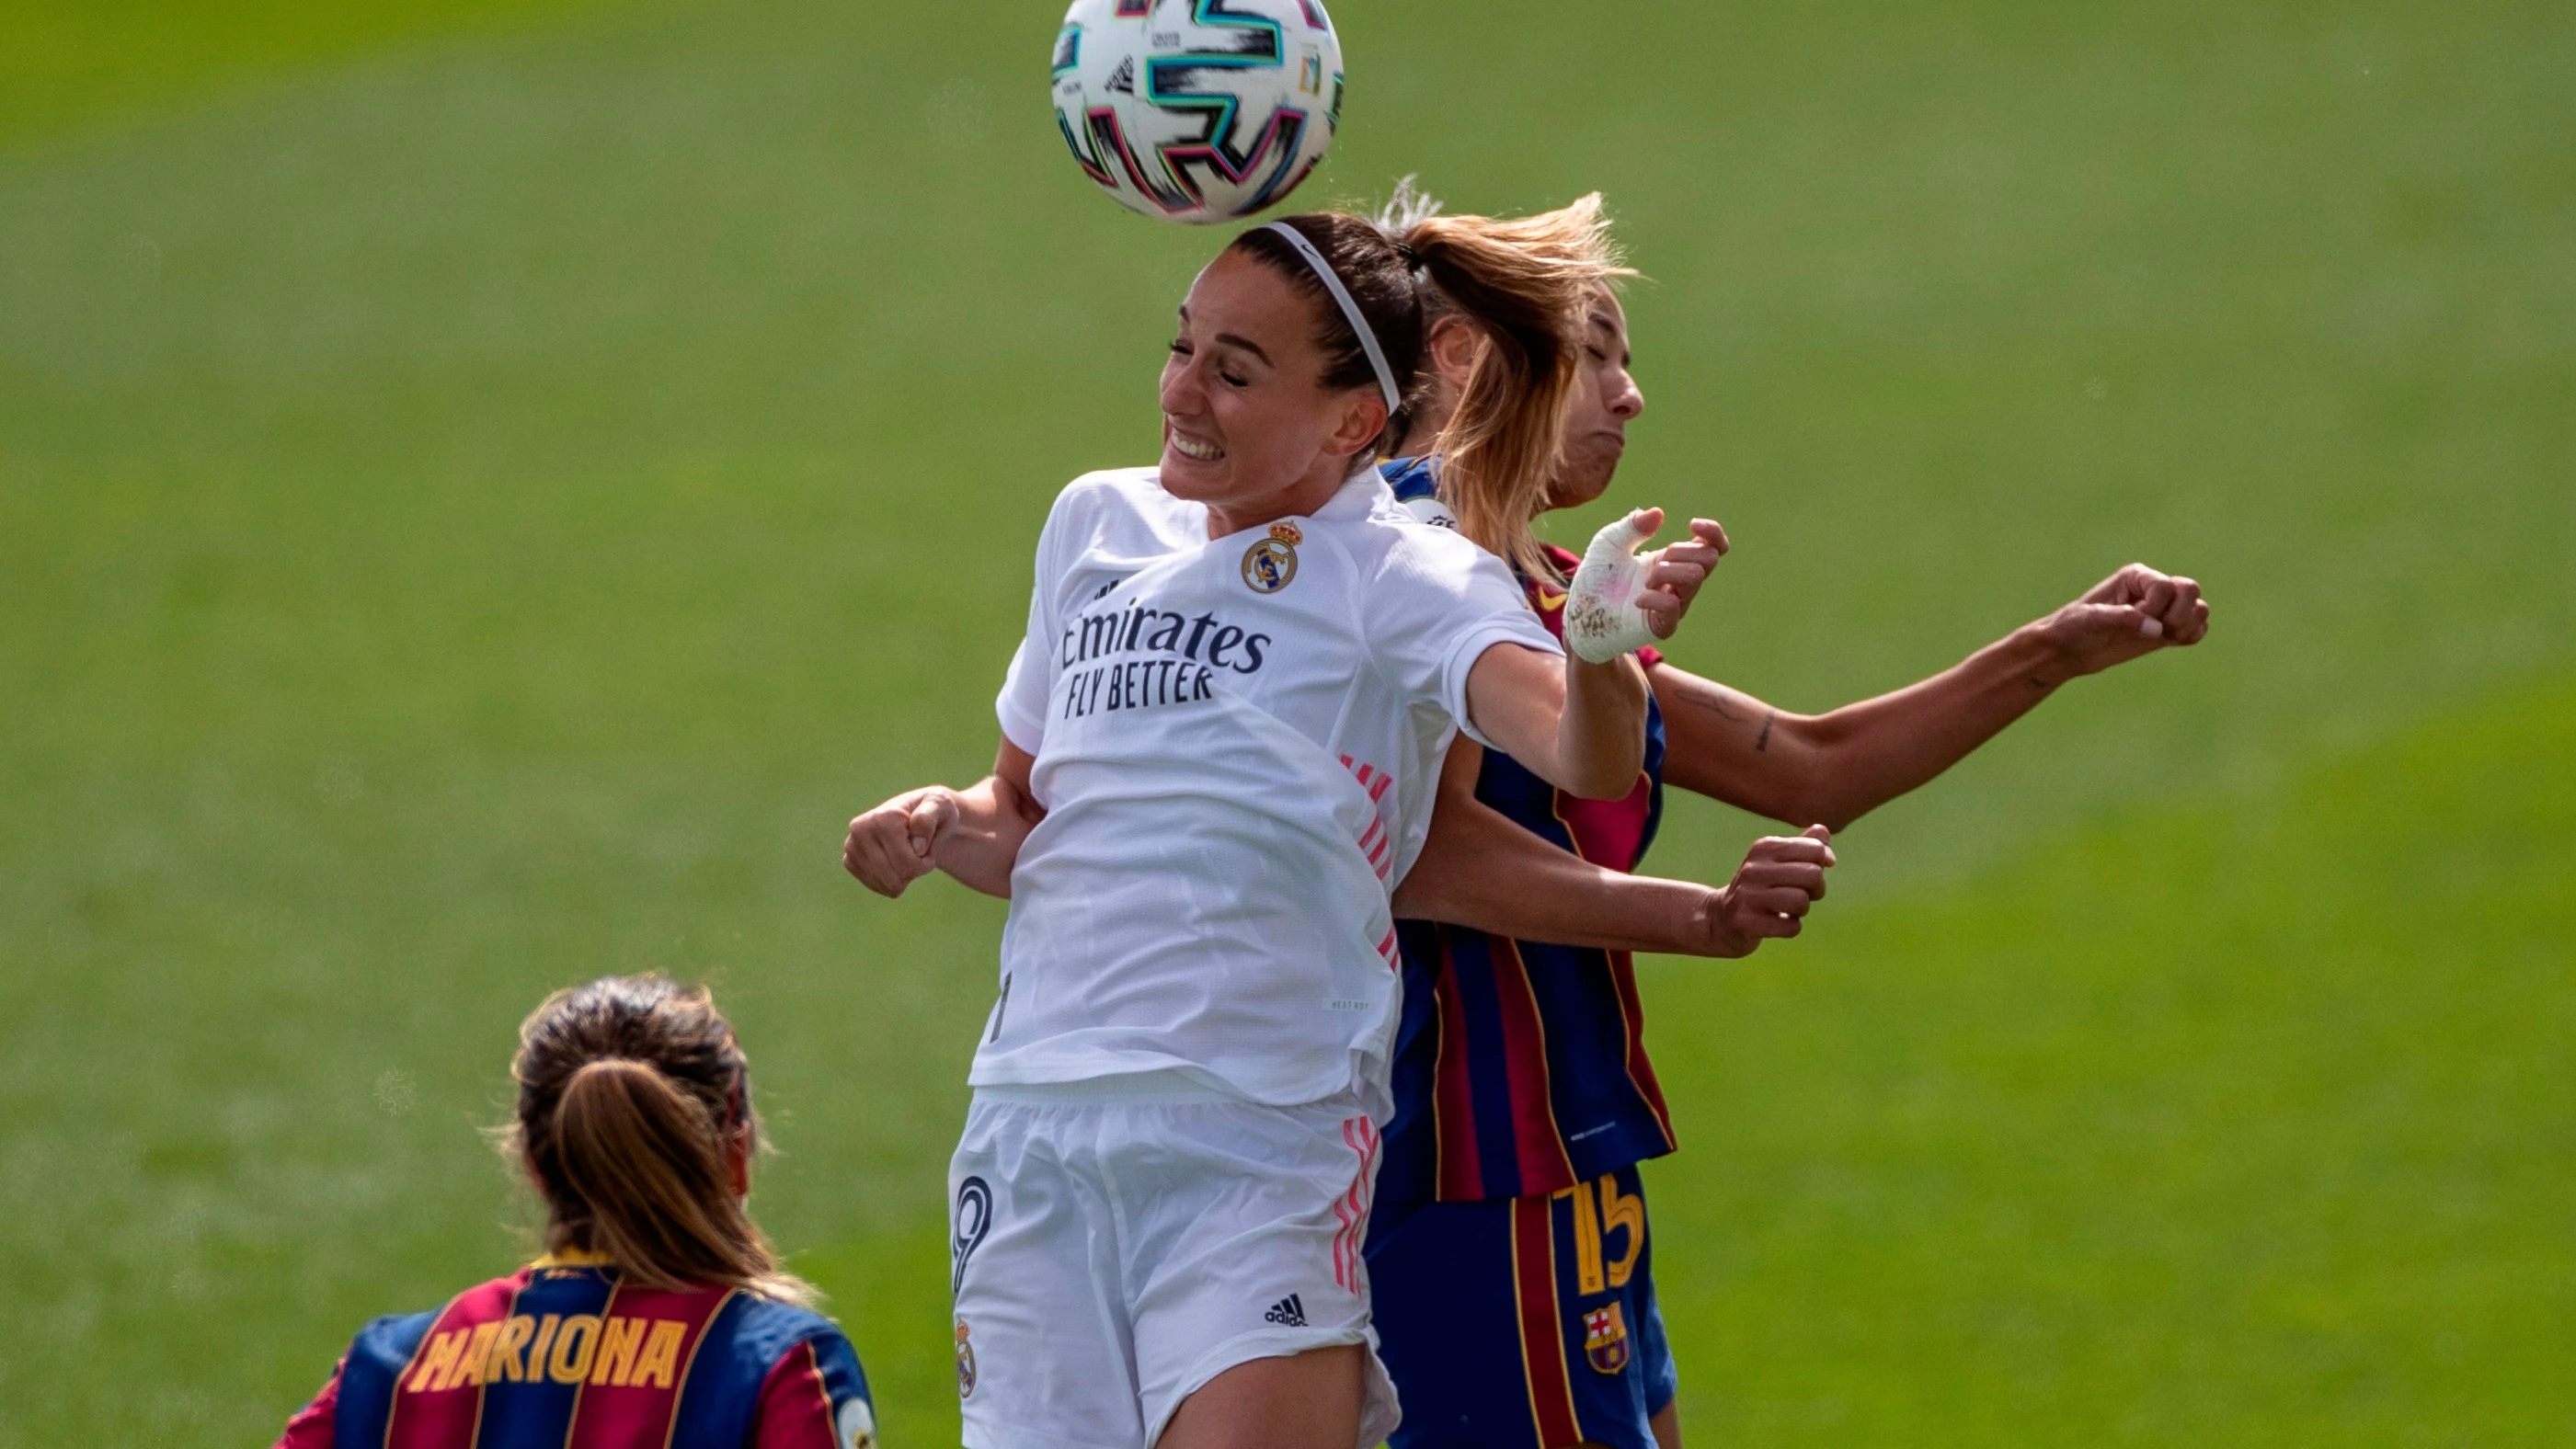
(658, 1318)
(1510, 1252)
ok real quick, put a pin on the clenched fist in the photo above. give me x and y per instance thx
(2134, 612)
(897, 843)
(1782, 878)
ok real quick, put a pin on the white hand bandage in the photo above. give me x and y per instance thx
(1602, 620)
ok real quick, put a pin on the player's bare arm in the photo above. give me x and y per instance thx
(1839, 766)
(974, 834)
(1480, 870)
(1582, 727)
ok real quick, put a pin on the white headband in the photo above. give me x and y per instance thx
(1350, 310)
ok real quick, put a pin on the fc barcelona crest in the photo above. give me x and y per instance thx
(1605, 1339)
(1270, 564)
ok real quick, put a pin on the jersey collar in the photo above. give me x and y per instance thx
(1356, 498)
(574, 1258)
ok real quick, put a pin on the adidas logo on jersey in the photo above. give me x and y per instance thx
(1288, 1312)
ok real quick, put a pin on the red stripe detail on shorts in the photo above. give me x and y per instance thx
(1352, 1207)
(1551, 1392)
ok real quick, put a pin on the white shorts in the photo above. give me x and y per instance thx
(1111, 1257)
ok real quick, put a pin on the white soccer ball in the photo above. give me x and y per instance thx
(1198, 110)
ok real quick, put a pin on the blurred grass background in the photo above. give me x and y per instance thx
(487, 489)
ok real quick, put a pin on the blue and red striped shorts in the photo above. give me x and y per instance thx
(1528, 1322)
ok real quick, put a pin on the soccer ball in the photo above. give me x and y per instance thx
(1198, 110)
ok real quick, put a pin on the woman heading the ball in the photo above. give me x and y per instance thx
(1511, 1250)
(1221, 739)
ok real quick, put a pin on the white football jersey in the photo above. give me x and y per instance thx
(1238, 744)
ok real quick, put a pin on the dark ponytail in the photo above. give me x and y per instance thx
(633, 1098)
(1379, 280)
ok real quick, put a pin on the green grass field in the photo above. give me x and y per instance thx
(487, 489)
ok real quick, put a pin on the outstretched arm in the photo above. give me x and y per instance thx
(1480, 870)
(1839, 766)
(974, 834)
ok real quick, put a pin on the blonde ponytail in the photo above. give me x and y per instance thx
(1525, 283)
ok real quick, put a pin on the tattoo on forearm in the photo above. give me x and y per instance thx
(1714, 701)
(1762, 744)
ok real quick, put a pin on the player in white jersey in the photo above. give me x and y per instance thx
(1221, 739)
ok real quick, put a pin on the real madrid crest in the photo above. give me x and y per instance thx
(1271, 563)
(965, 1363)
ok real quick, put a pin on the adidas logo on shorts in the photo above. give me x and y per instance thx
(1288, 1312)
